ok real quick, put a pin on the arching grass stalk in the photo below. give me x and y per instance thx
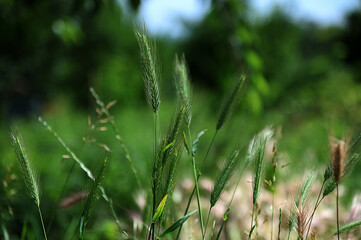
(84, 168)
(27, 172)
(151, 82)
(109, 119)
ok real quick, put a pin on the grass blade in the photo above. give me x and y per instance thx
(196, 142)
(5, 232)
(348, 227)
(160, 208)
(177, 224)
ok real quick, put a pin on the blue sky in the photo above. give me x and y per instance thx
(165, 16)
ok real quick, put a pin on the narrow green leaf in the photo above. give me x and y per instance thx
(196, 141)
(348, 227)
(5, 232)
(160, 208)
(177, 224)
(250, 233)
(186, 142)
(168, 146)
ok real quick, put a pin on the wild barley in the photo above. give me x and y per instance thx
(225, 114)
(27, 172)
(224, 177)
(222, 181)
(183, 87)
(256, 155)
(150, 68)
(92, 197)
(230, 103)
(338, 151)
(83, 167)
(301, 223)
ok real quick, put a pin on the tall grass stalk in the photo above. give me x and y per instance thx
(225, 113)
(151, 82)
(111, 121)
(198, 196)
(84, 168)
(338, 158)
(27, 172)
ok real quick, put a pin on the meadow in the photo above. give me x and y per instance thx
(177, 169)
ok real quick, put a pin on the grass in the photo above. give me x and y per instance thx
(175, 151)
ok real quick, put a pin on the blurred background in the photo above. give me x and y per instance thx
(302, 60)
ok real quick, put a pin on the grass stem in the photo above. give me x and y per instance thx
(209, 148)
(338, 226)
(251, 230)
(198, 196)
(42, 222)
(209, 213)
(318, 201)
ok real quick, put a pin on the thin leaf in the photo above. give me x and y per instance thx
(168, 146)
(160, 208)
(177, 224)
(186, 142)
(348, 227)
(196, 141)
